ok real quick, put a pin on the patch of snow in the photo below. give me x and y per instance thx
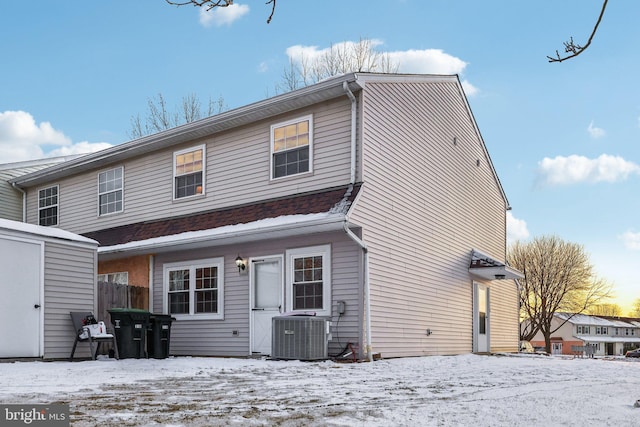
(467, 390)
(51, 232)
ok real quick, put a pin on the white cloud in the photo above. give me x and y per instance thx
(516, 229)
(219, 16)
(263, 67)
(631, 240)
(427, 61)
(595, 132)
(575, 169)
(21, 138)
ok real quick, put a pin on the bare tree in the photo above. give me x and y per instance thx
(160, 117)
(558, 278)
(635, 312)
(337, 59)
(210, 4)
(573, 49)
(605, 309)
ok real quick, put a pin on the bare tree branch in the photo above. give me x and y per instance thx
(210, 4)
(575, 49)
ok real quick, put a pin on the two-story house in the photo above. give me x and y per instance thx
(608, 336)
(369, 199)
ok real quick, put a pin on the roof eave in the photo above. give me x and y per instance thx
(309, 95)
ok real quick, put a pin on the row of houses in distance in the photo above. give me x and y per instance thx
(609, 336)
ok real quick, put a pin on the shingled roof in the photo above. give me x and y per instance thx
(301, 204)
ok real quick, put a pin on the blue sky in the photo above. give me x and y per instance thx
(564, 137)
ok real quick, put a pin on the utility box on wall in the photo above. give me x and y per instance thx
(300, 338)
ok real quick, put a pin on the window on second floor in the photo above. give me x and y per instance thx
(48, 206)
(110, 187)
(601, 330)
(583, 330)
(291, 147)
(188, 172)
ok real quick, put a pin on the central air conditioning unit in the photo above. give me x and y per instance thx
(300, 338)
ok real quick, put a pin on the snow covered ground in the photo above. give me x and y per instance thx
(468, 390)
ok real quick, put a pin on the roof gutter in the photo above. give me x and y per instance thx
(24, 201)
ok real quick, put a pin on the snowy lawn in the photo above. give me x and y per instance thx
(466, 390)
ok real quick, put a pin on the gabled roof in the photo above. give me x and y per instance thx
(586, 319)
(335, 200)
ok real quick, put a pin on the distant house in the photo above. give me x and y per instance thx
(610, 336)
(11, 198)
(368, 199)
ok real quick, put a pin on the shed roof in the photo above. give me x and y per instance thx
(42, 232)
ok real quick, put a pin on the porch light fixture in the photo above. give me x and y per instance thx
(240, 263)
(500, 276)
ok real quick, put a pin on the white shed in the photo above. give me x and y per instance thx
(45, 273)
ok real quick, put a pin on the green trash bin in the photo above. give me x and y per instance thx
(159, 336)
(130, 326)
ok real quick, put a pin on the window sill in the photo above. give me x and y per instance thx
(198, 316)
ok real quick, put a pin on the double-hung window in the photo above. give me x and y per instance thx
(195, 288)
(292, 147)
(48, 206)
(309, 279)
(189, 172)
(110, 186)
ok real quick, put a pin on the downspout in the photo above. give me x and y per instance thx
(24, 201)
(356, 239)
(352, 98)
(367, 304)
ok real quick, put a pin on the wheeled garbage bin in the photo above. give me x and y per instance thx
(130, 326)
(159, 336)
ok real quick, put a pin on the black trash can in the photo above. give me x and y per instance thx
(159, 336)
(130, 326)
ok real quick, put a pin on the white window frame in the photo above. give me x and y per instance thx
(308, 118)
(57, 205)
(121, 274)
(202, 147)
(192, 265)
(325, 252)
(121, 189)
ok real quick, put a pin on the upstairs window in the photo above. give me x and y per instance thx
(110, 199)
(188, 172)
(583, 330)
(48, 206)
(291, 147)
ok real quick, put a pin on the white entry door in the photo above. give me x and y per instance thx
(266, 301)
(20, 280)
(481, 318)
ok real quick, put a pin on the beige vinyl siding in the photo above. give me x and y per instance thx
(10, 199)
(69, 285)
(237, 172)
(504, 316)
(215, 337)
(424, 205)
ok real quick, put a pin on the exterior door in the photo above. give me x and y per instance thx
(481, 319)
(556, 348)
(266, 301)
(20, 284)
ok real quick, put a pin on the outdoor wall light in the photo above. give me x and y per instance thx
(500, 276)
(240, 263)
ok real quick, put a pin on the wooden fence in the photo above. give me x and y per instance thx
(115, 295)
